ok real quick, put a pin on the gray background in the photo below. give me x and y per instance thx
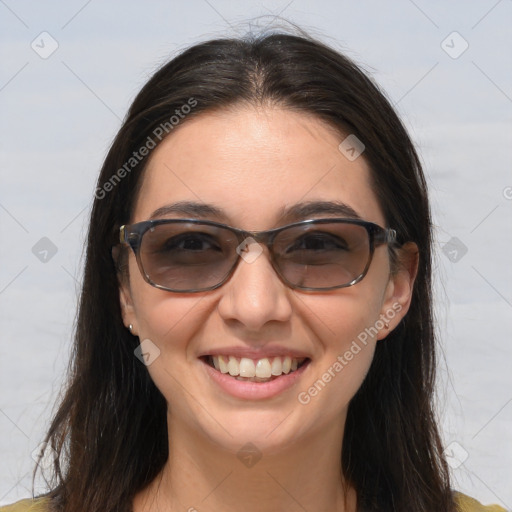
(59, 114)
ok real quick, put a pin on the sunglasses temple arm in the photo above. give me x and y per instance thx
(390, 236)
(386, 236)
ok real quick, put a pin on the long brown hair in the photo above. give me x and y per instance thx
(110, 430)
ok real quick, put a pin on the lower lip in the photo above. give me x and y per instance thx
(254, 390)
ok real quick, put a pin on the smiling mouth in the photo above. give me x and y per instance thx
(255, 370)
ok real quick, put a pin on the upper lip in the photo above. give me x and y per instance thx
(253, 353)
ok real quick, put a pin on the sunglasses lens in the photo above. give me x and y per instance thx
(322, 255)
(187, 256)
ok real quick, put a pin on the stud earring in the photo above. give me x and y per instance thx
(130, 327)
(386, 325)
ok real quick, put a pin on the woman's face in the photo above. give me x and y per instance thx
(253, 166)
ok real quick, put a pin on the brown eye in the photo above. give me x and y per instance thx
(318, 241)
(193, 242)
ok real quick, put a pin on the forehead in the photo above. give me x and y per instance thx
(253, 164)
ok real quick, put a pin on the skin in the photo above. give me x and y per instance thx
(253, 162)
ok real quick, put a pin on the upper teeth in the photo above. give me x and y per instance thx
(262, 368)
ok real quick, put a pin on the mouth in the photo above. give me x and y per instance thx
(245, 369)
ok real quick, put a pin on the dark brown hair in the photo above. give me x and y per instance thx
(110, 430)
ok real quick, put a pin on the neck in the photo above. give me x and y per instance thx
(202, 476)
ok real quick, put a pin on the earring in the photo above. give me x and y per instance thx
(386, 325)
(130, 327)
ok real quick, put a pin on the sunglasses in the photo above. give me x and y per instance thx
(190, 255)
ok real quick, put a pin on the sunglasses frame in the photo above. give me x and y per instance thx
(131, 235)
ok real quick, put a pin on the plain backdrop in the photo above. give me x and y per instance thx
(69, 72)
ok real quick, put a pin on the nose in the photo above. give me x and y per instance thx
(254, 295)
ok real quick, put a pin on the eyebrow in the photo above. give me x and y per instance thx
(190, 209)
(299, 211)
(315, 208)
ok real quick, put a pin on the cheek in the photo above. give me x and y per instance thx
(339, 319)
(171, 322)
(343, 315)
(344, 327)
(168, 319)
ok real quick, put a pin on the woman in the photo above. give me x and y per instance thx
(255, 326)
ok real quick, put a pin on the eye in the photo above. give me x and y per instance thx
(318, 241)
(191, 242)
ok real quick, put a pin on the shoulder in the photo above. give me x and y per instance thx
(28, 505)
(467, 504)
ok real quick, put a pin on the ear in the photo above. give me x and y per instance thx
(127, 309)
(125, 297)
(399, 289)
